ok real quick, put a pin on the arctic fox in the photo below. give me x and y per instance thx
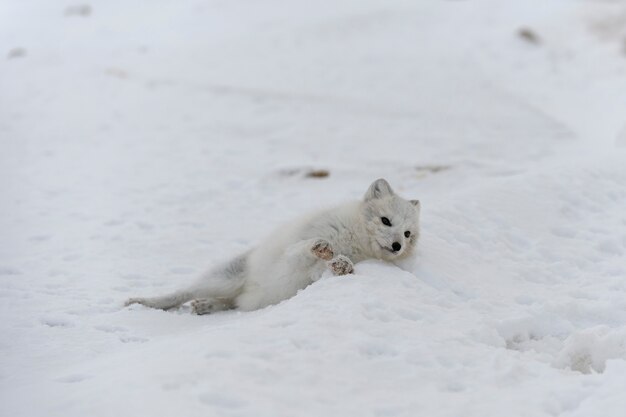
(381, 226)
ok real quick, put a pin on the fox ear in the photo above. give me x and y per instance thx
(416, 203)
(379, 189)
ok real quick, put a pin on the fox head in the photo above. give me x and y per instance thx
(392, 223)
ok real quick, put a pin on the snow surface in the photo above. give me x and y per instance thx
(144, 141)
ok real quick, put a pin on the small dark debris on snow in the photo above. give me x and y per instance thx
(529, 36)
(431, 169)
(318, 173)
(16, 53)
(304, 172)
(81, 10)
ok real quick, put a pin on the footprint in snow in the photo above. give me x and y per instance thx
(7, 270)
(133, 339)
(221, 400)
(56, 321)
(39, 238)
(110, 329)
(73, 378)
(114, 222)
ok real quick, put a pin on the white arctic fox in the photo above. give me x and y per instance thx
(381, 226)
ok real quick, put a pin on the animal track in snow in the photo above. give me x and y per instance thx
(133, 339)
(57, 321)
(221, 400)
(555, 341)
(7, 270)
(110, 329)
(73, 378)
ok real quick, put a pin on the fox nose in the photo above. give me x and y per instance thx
(396, 246)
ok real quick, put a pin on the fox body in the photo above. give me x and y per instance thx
(381, 226)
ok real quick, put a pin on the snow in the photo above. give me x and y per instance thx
(145, 141)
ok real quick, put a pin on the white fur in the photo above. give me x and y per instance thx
(294, 257)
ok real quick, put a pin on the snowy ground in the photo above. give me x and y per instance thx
(144, 141)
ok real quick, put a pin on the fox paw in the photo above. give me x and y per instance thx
(202, 306)
(322, 249)
(341, 265)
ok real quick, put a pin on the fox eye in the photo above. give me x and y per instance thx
(407, 234)
(385, 221)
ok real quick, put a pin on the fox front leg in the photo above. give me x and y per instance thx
(339, 265)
